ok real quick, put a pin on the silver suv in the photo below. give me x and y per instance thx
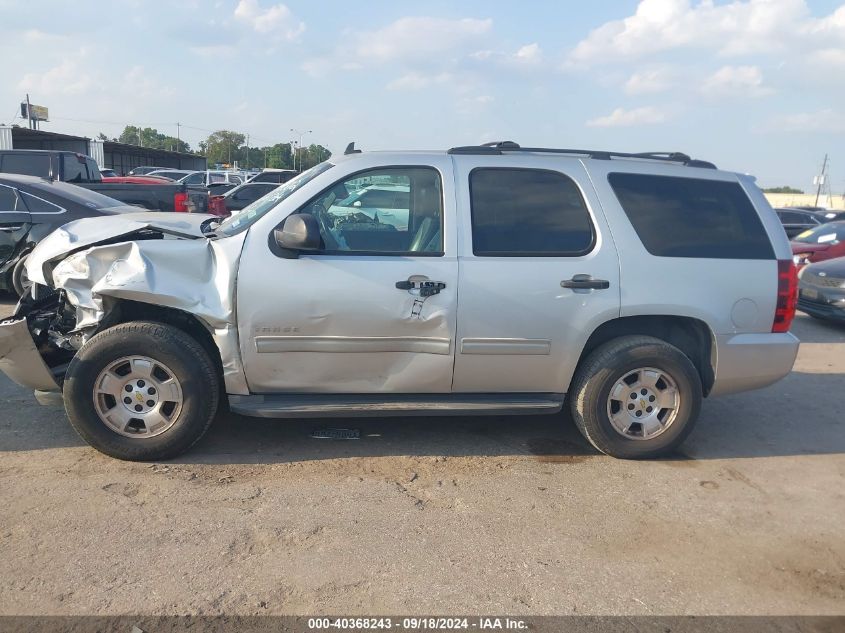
(625, 287)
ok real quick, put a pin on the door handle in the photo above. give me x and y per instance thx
(585, 282)
(426, 287)
(10, 229)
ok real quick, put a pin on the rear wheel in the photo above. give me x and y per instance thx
(141, 391)
(636, 397)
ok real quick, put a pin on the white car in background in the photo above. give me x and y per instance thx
(389, 203)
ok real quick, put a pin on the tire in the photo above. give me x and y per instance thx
(626, 367)
(164, 367)
(20, 281)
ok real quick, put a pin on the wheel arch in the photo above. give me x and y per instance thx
(692, 336)
(125, 310)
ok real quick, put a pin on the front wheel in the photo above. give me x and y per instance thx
(20, 279)
(636, 397)
(141, 391)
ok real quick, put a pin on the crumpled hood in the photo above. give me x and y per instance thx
(99, 262)
(108, 228)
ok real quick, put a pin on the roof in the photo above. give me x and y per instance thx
(499, 148)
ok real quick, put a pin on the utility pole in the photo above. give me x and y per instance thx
(301, 134)
(820, 180)
(28, 112)
(247, 151)
(178, 137)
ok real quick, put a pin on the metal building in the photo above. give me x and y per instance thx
(118, 156)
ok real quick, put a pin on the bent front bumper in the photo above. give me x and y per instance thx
(752, 361)
(20, 360)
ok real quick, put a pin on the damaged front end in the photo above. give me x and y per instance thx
(91, 273)
(38, 341)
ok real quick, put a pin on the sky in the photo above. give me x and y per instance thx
(756, 86)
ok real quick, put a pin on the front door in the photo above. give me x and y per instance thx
(538, 273)
(374, 310)
(14, 223)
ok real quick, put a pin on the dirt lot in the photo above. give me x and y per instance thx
(449, 515)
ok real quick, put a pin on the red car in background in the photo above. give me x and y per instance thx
(825, 241)
(138, 180)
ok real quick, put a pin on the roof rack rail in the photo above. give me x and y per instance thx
(502, 147)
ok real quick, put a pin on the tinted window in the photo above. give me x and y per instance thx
(689, 217)
(74, 169)
(349, 224)
(27, 164)
(793, 217)
(528, 212)
(37, 205)
(8, 199)
(93, 171)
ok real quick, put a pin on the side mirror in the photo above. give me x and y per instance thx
(299, 232)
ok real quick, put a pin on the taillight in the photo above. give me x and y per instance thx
(787, 295)
(180, 202)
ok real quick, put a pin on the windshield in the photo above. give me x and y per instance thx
(256, 210)
(831, 233)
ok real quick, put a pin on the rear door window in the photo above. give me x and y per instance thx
(8, 199)
(528, 213)
(691, 217)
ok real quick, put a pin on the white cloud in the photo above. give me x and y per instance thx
(419, 38)
(621, 117)
(650, 81)
(67, 78)
(745, 81)
(529, 54)
(825, 121)
(276, 20)
(734, 28)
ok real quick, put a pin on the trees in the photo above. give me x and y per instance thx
(224, 147)
(151, 137)
(784, 189)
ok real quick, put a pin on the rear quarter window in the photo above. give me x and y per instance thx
(691, 217)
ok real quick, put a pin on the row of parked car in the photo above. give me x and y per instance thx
(228, 190)
(817, 237)
(41, 190)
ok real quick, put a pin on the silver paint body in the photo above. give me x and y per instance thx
(336, 324)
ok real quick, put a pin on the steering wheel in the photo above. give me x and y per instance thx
(325, 222)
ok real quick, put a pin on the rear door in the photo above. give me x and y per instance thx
(538, 272)
(14, 222)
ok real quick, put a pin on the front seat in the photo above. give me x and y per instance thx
(426, 209)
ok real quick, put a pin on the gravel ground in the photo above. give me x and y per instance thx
(443, 515)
